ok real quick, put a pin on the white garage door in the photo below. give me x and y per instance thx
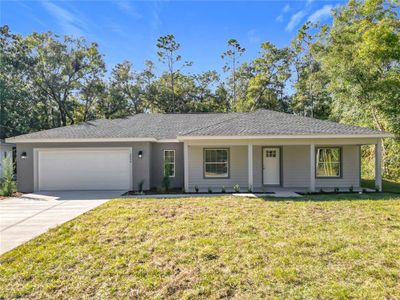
(84, 169)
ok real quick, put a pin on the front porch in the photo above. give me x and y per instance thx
(247, 167)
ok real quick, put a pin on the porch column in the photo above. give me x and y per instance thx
(312, 168)
(186, 166)
(250, 164)
(378, 165)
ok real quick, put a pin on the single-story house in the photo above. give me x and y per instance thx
(262, 150)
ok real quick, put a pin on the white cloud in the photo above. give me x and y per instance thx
(128, 8)
(322, 13)
(253, 36)
(286, 8)
(70, 24)
(295, 20)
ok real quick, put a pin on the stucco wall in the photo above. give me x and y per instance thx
(157, 164)
(140, 166)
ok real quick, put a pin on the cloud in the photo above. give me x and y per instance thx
(285, 9)
(295, 20)
(128, 8)
(309, 2)
(253, 36)
(322, 13)
(69, 22)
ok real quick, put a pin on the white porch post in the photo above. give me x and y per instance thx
(250, 164)
(186, 166)
(312, 168)
(378, 165)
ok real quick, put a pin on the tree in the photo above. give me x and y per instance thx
(59, 69)
(266, 87)
(232, 60)
(311, 97)
(362, 60)
(168, 54)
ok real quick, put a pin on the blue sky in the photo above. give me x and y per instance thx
(128, 30)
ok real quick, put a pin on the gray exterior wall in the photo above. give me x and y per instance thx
(157, 164)
(295, 168)
(140, 166)
(237, 169)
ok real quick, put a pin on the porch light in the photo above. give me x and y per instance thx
(24, 155)
(140, 154)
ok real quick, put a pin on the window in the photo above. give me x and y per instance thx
(169, 162)
(328, 162)
(270, 153)
(216, 163)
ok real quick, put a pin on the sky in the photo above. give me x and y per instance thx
(128, 30)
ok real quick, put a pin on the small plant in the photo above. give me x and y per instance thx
(336, 190)
(351, 189)
(166, 181)
(250, 189)
(223, 190)
(321, 191)
(210, 190)
(7, 184)
(140, 186)
(377, 189)
(364, 190)
(196, 188)
(236, 188)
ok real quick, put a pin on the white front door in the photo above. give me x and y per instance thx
(271, 166)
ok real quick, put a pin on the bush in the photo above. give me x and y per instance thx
(223, 190)
(210, 190)
(250, 189)
(7, 183)
(236, 188)
(140, 186)
(196, 188)
(336, 189)
(351, 189)
(166, 181)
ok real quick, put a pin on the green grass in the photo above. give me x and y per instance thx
(387, 185)
(321, 247)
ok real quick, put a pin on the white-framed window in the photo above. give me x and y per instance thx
(328, 162)
(216, 163)
(169, 162)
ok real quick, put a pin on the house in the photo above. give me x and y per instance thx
(262, 150)
(6, 150)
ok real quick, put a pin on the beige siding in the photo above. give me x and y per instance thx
(237, 168)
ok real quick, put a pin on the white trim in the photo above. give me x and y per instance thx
(186, 166)
(378, 166)
(294, 136)
(87, 140)
(170, 163)
(36, 153)
(312, 168)
(168, 141)
(250, 165)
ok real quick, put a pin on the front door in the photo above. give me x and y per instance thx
(271, 166)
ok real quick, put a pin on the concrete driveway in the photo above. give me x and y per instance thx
(22, 219)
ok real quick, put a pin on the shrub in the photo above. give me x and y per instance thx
(166, 181)
(223, 190)
(351, 189)
(140, 186)
(236, 188)
(196, 188)
(250, 189)
(210, 190)
(336, 189)
(7, 184)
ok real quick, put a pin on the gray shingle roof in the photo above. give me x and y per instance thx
(169, 126)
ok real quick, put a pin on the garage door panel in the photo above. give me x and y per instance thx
(84, 170)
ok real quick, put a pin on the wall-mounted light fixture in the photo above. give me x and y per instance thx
(140, 154)
(24, 155)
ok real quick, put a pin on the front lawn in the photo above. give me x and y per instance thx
(388, 186)
(330, 247)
